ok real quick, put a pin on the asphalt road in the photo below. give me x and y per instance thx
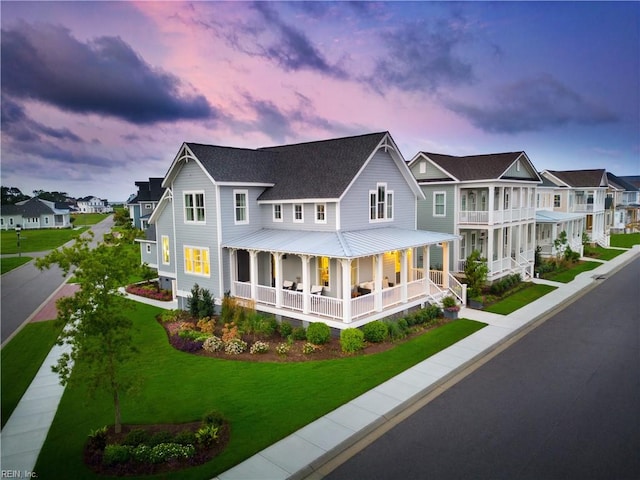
(25, 288)
(561, 403)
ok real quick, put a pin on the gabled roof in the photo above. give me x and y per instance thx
(632, 179)
(34, 207)
(148, 191)
(491, 166)
(579, 178)
(322, 169)
(620, 183)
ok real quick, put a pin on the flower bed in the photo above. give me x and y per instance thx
(150, 290)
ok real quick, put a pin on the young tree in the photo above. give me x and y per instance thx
(97, 328)
(476, 271)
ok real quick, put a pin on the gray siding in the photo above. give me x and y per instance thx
(192, 178)
(164, 226)
(426, 220)
(354, 213)
(309, 215)
(151, 257)
(227, 212)
(524, 172)
(432, 172)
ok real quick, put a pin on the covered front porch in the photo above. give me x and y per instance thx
(344, 279)
(549, 225)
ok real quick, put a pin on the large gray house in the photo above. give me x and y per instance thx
(319, 231)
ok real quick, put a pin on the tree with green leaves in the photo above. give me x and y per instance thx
(476, 272)
(96, 326)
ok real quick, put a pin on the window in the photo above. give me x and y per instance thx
(240, 205)
(423, 167)
(321, 216)
(148, 248)
(148, 206)
(46, 220)
(277, 213)
(194, 207)
(556, 200)
(196, 261)
(298, 216)
(323, 271)
(439, 204)
(165, 250)
(380, 203)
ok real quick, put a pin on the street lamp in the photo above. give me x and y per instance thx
(18, 229)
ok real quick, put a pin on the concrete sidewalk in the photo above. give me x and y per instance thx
(306, 452)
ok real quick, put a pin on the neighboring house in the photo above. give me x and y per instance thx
(488, 200)
(550, 223)
(319, 231)
(35, 213)
(622, 205)
(583, 191)
(93, 205)
(141, 205)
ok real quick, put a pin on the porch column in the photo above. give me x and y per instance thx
(445, 265)
(378, 282)
(306, 276)
(426, 263)
(346, 289)
(253, 273)
(490, 247)
(404, 265)
(491, 203)
(233, 270)
(277, 262)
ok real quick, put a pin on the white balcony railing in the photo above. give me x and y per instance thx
(483, 217)
(326, 306)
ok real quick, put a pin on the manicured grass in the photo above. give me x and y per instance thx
(601, 253)
(520, 298)
(21, 359)
(264, 402)
(9, 263)
(88, 218)
(37, 240)
(625, 240)
(565, 276)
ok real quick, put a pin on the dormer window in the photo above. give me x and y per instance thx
(380, 203)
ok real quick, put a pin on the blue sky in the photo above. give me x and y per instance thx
(98, 95)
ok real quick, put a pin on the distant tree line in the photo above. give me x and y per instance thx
(13, 195)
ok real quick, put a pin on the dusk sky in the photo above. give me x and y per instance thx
(99, 95)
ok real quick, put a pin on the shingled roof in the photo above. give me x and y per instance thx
(580, 178)
(475, 167)
(321, 169)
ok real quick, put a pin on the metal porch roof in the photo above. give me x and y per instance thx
(338, 244)
(550, 216)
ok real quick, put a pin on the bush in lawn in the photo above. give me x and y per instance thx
(431, 313)
(214, 418)
(375, 332)
(160, 437)
(403, 326)
(318, 333)
(235, 346)
(193, 302)
(136, 437)
(299, 333)
(229, 332)
(227, 311)
(395, 332)
(351, 340)
(283, 349)
(207, 435)
(207, 325)
(285, 329)
(172, 315)
(185, 438)
(185, 344)
(213, 344)
(259, 347)
(206, 307)
(168, 451)
(115, 454)
(98, 439)
(309, 348)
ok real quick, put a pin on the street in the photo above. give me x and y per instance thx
(25, 288)
(561, 403)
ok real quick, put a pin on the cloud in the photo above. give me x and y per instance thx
(104, 76)
(533, 104)
(422, 56)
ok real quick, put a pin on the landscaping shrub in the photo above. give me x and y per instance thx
(207, 325)
(285, 329)
(309, 348)
(206, 306)
(168, 451)
(299, 333)
(403, 325)
(259, 347)
(171, 315)
(98, 438)
(375, 332)
(283, 349)
(160, 437)
(213, 417)
(395, 332)
(431, 313)
(115, 454)
(318, 333)
(351, 340)
(185, 344)
(136, 437)
(194, 300)
(229, 332)
(185, 438)
(162, 295)
(213, 344)
(235, 346)
(227, 310)
(208, 435)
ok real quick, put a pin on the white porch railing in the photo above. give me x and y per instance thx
(293, 300)
(436, 277)
(391, 296)
(474, 216)
(265, 294)
(363, 305)
(242, 289)
(326, 306)
(458, 289)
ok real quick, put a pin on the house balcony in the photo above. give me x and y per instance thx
(492, 217)
(499, 267)
(582, 208)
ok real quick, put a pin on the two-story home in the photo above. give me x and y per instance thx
(35, 213)
(91, 204)
(486, 200)
(583, 191)
(319, 231)
(142, 204)
(622, 205)
(550, 223)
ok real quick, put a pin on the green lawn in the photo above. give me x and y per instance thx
(83, 219)
(567, 275)
(264, 402)
(625, 240)
(601, 253)
(520, 298)
(21, 359)
(37, 240)
(9, 263)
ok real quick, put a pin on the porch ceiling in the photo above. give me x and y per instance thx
(550, 216)
(339, 244)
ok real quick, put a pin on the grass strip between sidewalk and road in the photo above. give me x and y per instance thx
(520, 298)
(264, 402)
(21, 359)
(567, 275)
(625, 240)
(9, 263)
